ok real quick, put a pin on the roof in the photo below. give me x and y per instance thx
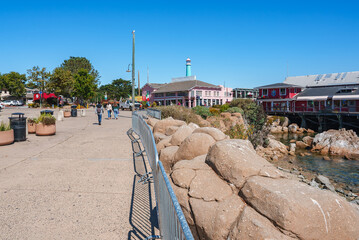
(325, 79)
(278, 85)
(328, 91)
(184, 86)
(156, 85)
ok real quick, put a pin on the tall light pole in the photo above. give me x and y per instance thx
(133, 70)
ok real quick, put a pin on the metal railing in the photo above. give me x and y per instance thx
(172, 222)
(155, 113)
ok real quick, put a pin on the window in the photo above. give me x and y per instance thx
(310, 104)
(170, 94)
(192, 93)
(182, 94)
(199, 93)
(347, 90)
(265, 92)
(283, 91)
(351, 103)
(158, 94)
(209, 93)
(217, 94)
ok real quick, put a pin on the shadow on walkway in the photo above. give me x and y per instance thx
(143, 215)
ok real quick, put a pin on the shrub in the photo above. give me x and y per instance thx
(4, 127)
(239, 132)
(214, 111)
(47, 119)
(180, 113)
(224, 107)
(235, 110)
(202, 111)
(32, 120)
(154, 104)
(216, 106)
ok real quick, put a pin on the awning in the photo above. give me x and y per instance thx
(346, 97)
(312, 98)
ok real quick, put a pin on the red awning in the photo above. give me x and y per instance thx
(44, 96)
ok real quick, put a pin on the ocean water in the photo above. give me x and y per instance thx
(338, 169)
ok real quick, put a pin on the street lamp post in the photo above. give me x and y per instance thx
(133, 70)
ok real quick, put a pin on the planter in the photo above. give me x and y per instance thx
(6, 137)
(67, 114)
(45, 130)
(31, 128)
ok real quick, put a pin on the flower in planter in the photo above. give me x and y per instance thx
(6, 134)
(46, 125)
(47, 119)
(31, 125)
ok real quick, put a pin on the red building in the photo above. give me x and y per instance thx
(278, 96)
(330, 93)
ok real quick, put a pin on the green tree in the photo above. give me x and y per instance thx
(74, 64)
(38, 78)
(119, 88)
(61, 82)
(14, 82)
(85, 85)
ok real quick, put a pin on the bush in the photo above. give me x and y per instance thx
(202, 111)
(154, 104)
(241, 103)
(237, 132)
(224, 107)
(214, 111)
(180, 113)
(235, 110)
(47, 119)
(216, 106)
(32, 120)
(4, 127)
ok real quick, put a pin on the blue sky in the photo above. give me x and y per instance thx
(242, 43)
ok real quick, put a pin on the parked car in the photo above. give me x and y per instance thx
(128, 105)
(8, 103)
(18, 102)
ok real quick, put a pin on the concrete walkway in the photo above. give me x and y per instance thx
(78, 184)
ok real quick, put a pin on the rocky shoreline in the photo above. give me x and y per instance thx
(228, 191)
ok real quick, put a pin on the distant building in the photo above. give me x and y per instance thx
(4, 94)
(29, 97)
(245, 93)
(332, 92)
(187, 91)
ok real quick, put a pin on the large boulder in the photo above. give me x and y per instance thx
(276, 129)
(167, 157)
(166, 142)
(208, 186)
(337, 142)
(194, 145)
(183, 177)
(159, 137)
(197, 163)
(286, 122)
(181, 134)
(171, 130)
(252, 225)
(162, 125)
(214, 220)
(152, 121)
(217, 134)
(301, 145)
(293, 128)
(183, 200)
(276, 145)
(236, 160)
(307, 212)
(308, 140)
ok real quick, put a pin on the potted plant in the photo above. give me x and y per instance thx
(31, 125)
(6, 134)
(46, 125)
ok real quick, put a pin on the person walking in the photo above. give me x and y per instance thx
(115, 110)
(99, 110)
(109, 110)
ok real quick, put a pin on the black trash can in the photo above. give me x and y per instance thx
(18, 123)
(46, 112)
(74, 111)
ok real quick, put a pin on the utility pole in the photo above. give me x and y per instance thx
(133, 70)
(139, 93)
